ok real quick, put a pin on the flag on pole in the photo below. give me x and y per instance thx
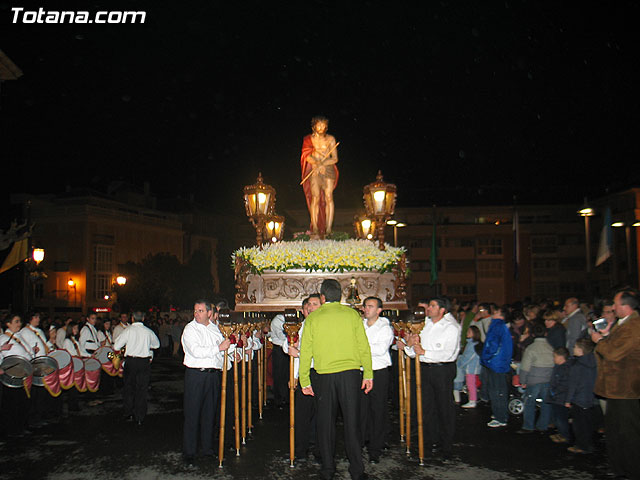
(516, 244)
(606, 243)
(17, 254)
(434, 252)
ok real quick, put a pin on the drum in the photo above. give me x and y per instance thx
(16, 371)
(78, 374)
(65, 367)
(102, 354)
(43, 367)
(92, 373)
(109, 359)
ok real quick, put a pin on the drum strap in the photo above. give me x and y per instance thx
(46, 347)
(75, 344)
(19, 342)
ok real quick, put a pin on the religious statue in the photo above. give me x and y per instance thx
(319, 175)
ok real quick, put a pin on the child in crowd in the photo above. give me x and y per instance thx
(468, 368)
(580, 396)
(557, 397)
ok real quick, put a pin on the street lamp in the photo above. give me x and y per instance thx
(380, 203)
(364, 227)
(396, 225)
(587, 212)
(38, 255)
(259, 202)
(121, 280)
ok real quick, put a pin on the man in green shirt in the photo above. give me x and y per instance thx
(334, 337)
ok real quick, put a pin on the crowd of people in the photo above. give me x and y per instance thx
(574, 367)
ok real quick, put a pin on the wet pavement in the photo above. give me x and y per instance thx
(96, 443)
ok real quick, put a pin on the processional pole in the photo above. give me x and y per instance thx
(415, 326)
(291, 328)
(226, 328)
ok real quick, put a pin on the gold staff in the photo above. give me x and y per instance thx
(399, 327)
(244, 386)
(291, 327)
(236, 405)
(416, 326)
(226, 328)
(407, 409)
(251, 327)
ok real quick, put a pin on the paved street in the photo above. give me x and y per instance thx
(97, 444)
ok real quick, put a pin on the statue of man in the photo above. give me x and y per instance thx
(319, 175)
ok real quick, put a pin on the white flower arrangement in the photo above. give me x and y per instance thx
(320, 255)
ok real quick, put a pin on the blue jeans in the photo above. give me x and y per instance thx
(498, 390)
(533, 392)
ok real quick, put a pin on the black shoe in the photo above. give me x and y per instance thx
(374, 459)
(128, 418)
(189, 461)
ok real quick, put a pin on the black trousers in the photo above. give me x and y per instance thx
(137, 375)
(200, 389)
(622, 433)
(583, 427)
(280, 363)
(342, 390)
(438, 407)
(374, 413)
(305, 415)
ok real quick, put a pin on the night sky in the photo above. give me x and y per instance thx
(456, 102)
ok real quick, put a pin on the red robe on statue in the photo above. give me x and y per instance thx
(305, 168)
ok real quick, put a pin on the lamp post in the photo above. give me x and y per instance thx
(364, 227)
(72, 284)
(380, 203)
(396, 225)
(587, 212)
(259, 202)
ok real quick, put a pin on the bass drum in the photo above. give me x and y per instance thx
(16, 371)
(78, 374)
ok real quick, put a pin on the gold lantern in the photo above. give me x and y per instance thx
(259, 202)
(380, 203)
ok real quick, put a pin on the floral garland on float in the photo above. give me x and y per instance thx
(285, 272)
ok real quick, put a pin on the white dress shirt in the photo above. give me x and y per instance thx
(139, 341)
(278, 337)
(19, 346)
(440, 341)
(296, 360)
(34, 337)
(380, 336)
(201, 345)
(88, 339)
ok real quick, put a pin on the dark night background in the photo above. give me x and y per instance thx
(456, 102)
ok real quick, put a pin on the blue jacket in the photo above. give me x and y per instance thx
(582, 380)
(498, 347)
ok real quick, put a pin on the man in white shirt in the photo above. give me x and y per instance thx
(89, 341)
(305, 405)
(437, 345)
(373, 406)
(139, 341)
(204, 347)
(124, 323)
(280, 362)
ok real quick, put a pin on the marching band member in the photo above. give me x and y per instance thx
(118, 329)
(104, 334)
(62, 333)
(89, 341)
(71, 343)
(34, 337)
(15, 402)
(139, 341)
(53, 336)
